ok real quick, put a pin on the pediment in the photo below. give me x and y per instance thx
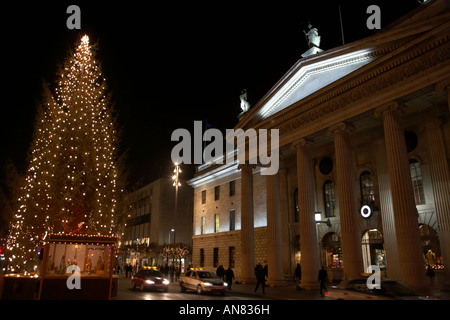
(313, 76)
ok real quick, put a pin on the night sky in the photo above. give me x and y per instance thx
(166, 65)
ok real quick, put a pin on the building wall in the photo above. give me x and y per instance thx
(223, 241)
(157, 199)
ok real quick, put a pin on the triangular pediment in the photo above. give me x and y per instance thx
(314, 75)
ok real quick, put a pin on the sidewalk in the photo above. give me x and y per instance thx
(288, 291)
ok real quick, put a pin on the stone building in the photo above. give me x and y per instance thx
(151, 221)
(364, 144)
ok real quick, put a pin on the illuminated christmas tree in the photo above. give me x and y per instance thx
(71, 181)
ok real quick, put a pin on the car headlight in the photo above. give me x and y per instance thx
(166, 282)
(208, 284)
(149, 282)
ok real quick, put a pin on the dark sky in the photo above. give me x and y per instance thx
(166, 64)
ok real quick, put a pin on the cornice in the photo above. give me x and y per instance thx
(396, 69)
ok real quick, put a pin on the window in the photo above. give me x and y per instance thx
(216, 193)
(216, 257)
(203, 225)
(232, 188)
(416, 177)
(328, 199)
(216, 222)
(326, 165)
(231, 256)
(232, 220)
(202, 258)
(366, 188)
(296, 205)
(203, 196)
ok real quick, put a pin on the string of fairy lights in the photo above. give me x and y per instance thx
(71, 181)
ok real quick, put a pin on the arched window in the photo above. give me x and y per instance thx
(296, 205)
(416, 177)
(328, 199)
(366, 188)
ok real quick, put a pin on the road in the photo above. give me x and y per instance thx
(126, 292)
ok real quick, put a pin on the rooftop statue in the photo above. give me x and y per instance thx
(312, 37)
(245, 105)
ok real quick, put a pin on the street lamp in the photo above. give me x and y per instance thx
(318, 219)
(176, 184)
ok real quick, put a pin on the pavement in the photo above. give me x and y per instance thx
(288, 291)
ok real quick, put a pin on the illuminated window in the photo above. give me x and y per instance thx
(416, 177)
(328, 199)
(202, 225)
(366, 188)
(216, 222)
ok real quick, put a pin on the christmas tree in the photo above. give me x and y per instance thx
(71, 181)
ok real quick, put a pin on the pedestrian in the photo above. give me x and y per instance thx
(298, 273)
(220, 272)
(430, 274)
(260, 278)
(322, 277)
(229, 276)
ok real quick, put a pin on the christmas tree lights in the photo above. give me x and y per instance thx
(71, 181)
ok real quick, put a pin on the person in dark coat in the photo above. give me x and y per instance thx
(220, 272)
(260, 278)
(322, 278)
(229, 276)
(298, 272)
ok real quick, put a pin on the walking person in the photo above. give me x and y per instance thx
(229, 276)
(220, 272)
(260, 278)
(322, 277)
(430, 274)
(298, 273)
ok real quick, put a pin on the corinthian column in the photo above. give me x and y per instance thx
(274, 237)
(405, 213)
(348, 210)
(440, 181)
(247, 224)
(306, 208)
(387, 213)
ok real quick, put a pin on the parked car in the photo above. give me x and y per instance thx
(150, 278)
(357, 289)
(202, 281)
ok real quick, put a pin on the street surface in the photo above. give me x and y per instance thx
(126, 292)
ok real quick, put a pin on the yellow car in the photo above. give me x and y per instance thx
(202, 281)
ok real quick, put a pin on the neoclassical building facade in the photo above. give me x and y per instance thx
(364, 144)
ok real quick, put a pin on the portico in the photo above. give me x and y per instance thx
(352, 106)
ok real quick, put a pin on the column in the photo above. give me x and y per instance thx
(440, 181)
(409, 249)
(247, 224)
(274, 240)
(307, 226)
(387, 212)
(348, 209)
(444, 86)
(284, 208)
